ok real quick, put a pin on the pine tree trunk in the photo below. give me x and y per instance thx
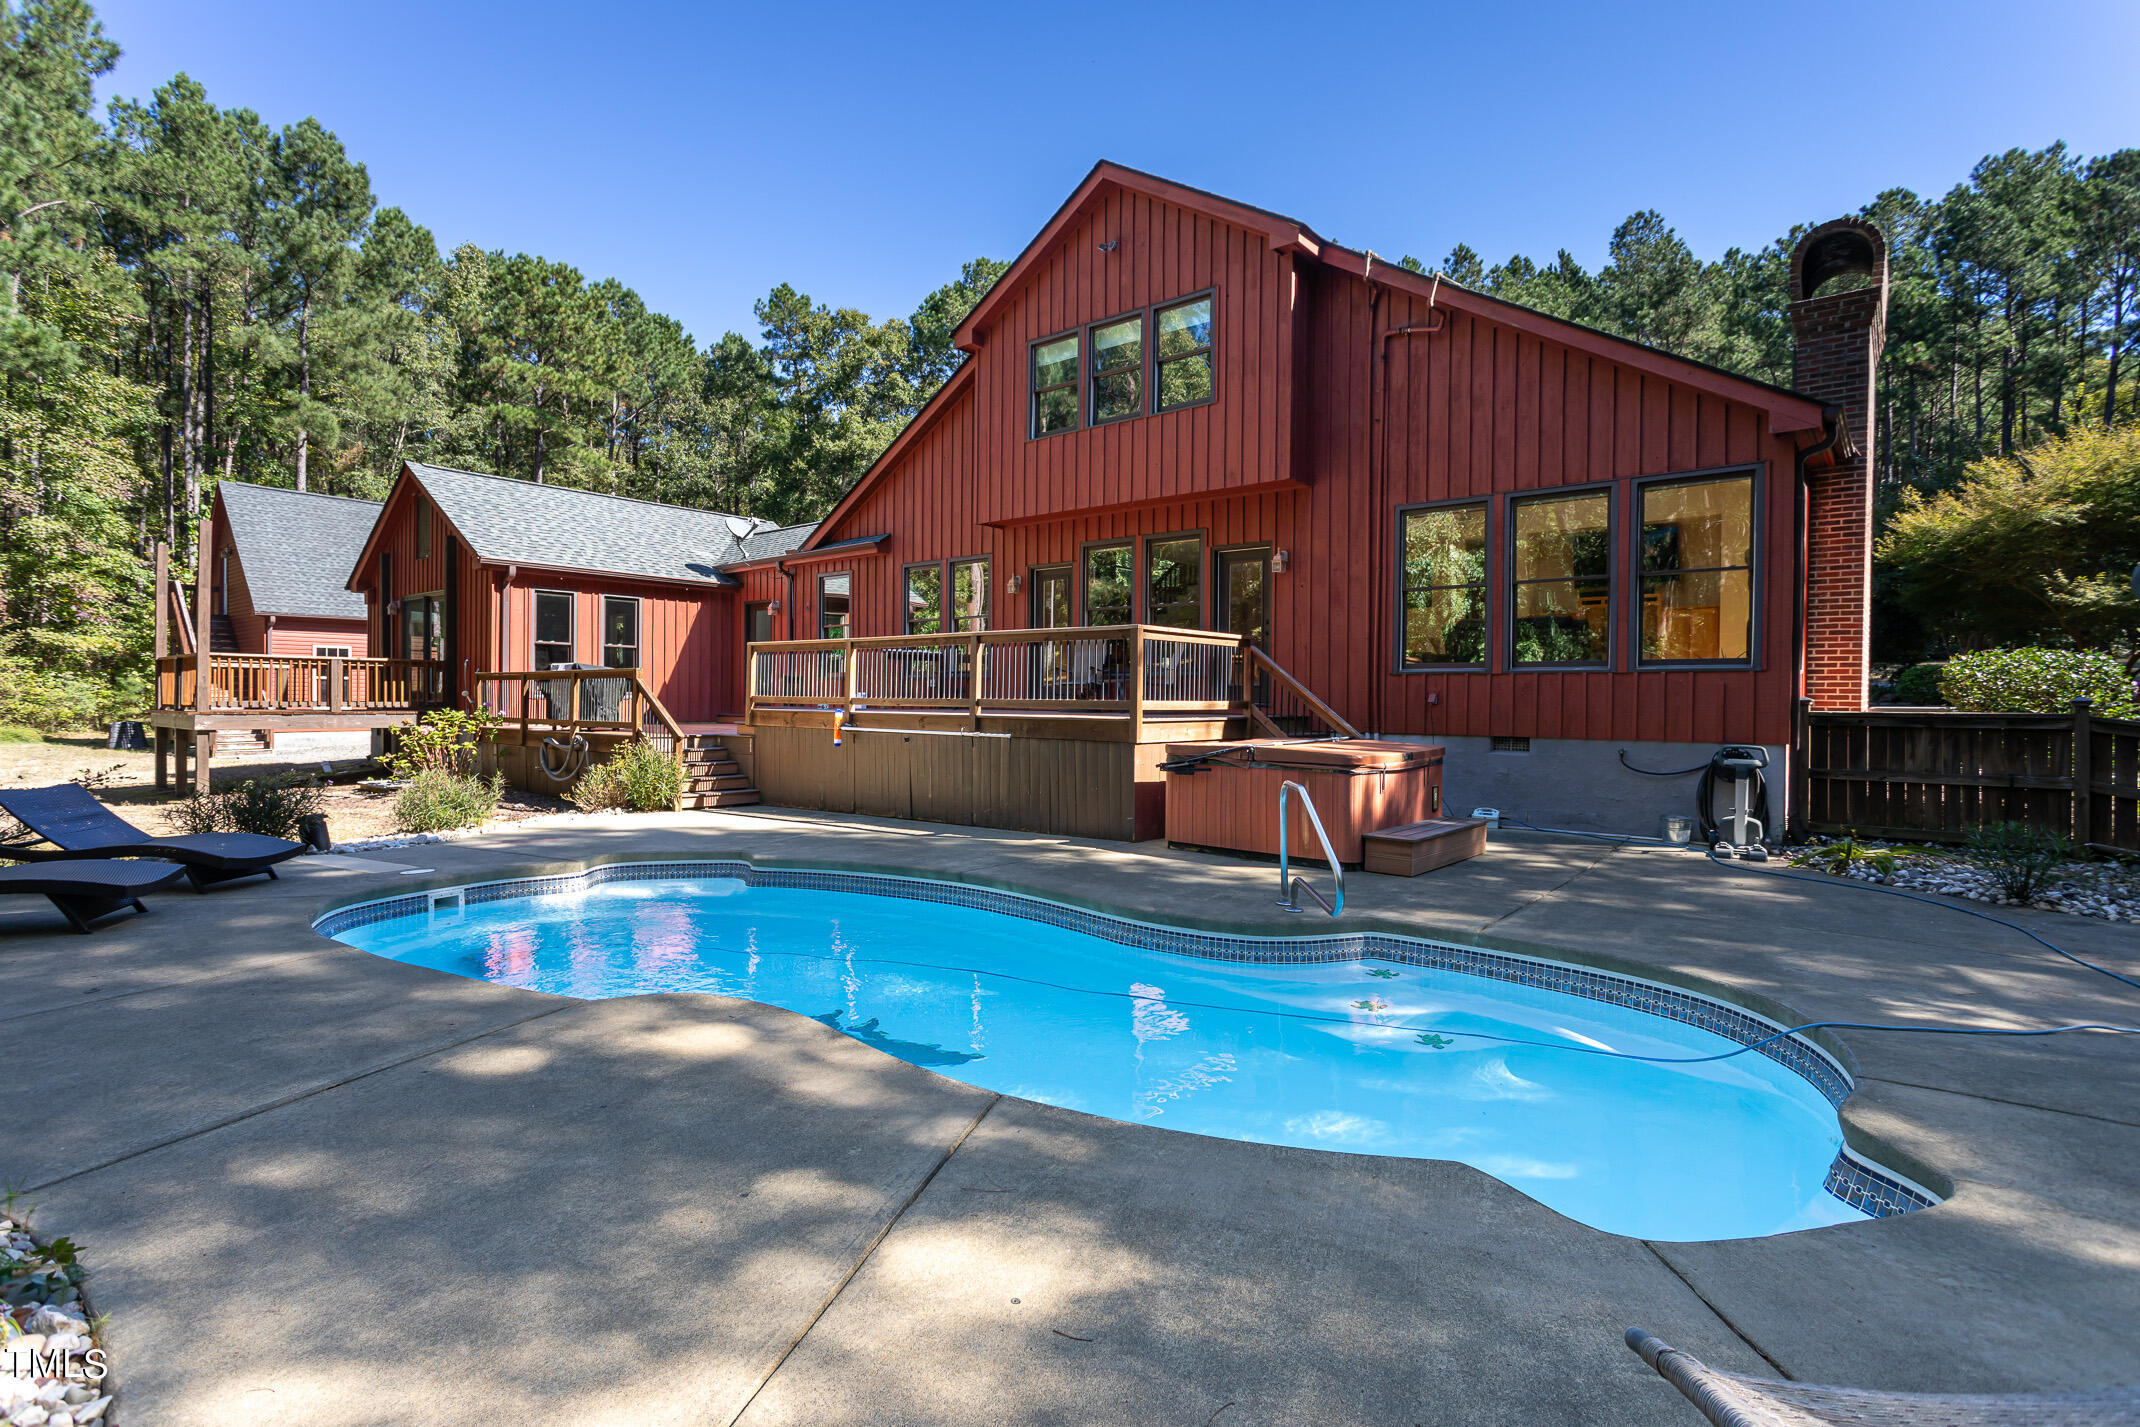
(2117, 342)
(304, 383)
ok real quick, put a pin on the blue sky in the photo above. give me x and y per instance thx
(703, 153)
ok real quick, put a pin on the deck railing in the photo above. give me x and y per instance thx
(569, 701)
(279, 684)
(1130, 669)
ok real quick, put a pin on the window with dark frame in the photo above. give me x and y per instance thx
(1174, 582)
(969, 595)
(1441, 601)
(553, 628)
(1118, 370)
(834, 600)
(1181, 355)
(620, 632)
(1055, 383)
(423, 528)
(1697, 576)
(924, 595)
(1560, 574)
(1109, 589)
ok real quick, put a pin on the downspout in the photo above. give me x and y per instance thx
(1832, 434)
(787, 598)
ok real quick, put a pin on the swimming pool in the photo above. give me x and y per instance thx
(1366, 1043)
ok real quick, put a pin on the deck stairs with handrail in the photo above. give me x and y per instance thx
(712, 777)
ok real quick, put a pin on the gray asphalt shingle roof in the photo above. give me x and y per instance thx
(296, 547)
(514, 522)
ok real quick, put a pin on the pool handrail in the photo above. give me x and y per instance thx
(1289, 886)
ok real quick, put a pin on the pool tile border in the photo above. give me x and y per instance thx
(1862, 1185)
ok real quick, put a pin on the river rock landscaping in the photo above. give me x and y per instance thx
(52, 1371)
(2108, 890)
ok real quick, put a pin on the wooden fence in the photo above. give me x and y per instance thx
(1932, 775)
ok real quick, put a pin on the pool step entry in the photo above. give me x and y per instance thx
(712, 777)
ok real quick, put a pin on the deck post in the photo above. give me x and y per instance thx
(2083, 766)
(203, 758)
(850, 677)
(1136, 683)
(163, 597)
(163, 751)
(334, 685)
(973, 683)
(203, 674)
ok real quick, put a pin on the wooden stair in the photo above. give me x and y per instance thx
(712, 777)
(222, 635)
(239, 740)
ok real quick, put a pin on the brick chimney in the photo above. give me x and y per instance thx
(1838, 337)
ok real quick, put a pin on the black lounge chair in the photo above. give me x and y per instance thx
(86, 890)
(77, 826)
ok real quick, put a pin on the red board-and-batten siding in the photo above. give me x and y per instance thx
(688, 652)
(1480, 409)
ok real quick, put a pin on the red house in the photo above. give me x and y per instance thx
(1446, 517)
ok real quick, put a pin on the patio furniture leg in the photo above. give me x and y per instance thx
(81, 911)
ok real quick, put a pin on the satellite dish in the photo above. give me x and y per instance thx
(742, 526)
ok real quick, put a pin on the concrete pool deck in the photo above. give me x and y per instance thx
(319, 1187)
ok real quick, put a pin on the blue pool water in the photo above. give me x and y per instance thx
(1366, 1056)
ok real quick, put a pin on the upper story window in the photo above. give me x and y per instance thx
(1441, 577)
(1118, 370)
(423, 528)
(925, 599)
(1561, 572)
(1109, 591)
(1182, 355)
(969, 595)
(833, 595)
(553, 628)
(620, 632)
(1055, 381)
(1697, 579)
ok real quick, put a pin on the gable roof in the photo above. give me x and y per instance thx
(505, 521)
(293, 544)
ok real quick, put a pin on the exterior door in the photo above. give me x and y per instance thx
(757, 623)
(1244, 595)
(1051, 610)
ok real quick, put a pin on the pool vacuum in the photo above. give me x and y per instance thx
(1747, 823)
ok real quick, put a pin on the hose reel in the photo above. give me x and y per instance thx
(571, 758)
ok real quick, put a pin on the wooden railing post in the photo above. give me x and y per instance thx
(337, 696)
(1136, 684)
(2083, 765)
(163, 598)
(205, 674)
(973, 683)
(850, 676)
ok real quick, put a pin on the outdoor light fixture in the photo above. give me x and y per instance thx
(1279, 560)
(773, 607)
(1012, 583)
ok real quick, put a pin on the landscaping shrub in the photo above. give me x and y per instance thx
(2038, 681)
(641, 779)
(14, 733)
(2020, 858)
(1918, 684)
(1840, 858)
(444, 741)
(272, 807)
(437, 801)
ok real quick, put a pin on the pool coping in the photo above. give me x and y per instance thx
(1863, 1174)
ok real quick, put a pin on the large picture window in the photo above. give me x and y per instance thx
(925, 599)
(1442, 586)
(833, 597)
(1698, 569)
(969, 595)
(1174, 582)
(620, 632)
(1118, 370)
(1109, 589)
(1055, 381)
(1182, 355)
(553, 628)
(1561, 570)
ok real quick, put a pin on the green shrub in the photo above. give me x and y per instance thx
(438, 801)
(1840, 856)
(2020, 858)
(641, 779)
(443, 741)
(2038, 681)
(12, 733)
(272, 807)
(1918, 684)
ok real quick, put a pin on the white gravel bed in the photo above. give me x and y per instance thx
(2108, 891)
(52, 1371)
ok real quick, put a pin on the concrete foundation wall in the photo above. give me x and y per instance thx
(1579, 783)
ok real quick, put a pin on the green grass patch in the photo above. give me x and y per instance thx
(16, 733)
